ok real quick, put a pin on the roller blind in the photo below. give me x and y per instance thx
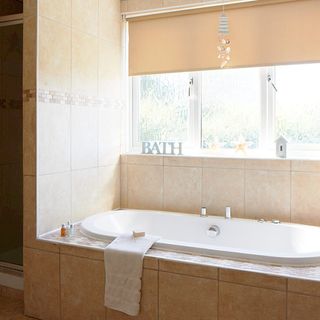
(260, 35)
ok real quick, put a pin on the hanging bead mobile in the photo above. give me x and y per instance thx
(224, 47)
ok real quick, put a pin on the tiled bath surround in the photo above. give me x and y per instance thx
(287, 190)
(174, 286)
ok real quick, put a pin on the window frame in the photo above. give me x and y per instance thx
(194, 143)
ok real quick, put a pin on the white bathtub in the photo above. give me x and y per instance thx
(282, 244)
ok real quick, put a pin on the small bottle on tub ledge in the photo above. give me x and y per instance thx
(63, 230)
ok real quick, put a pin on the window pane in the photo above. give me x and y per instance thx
(298, 103)
(164, 107)
(231, 107)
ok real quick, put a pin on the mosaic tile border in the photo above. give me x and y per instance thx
(57, 97)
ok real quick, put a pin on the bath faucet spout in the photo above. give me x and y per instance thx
(228, 213)
(203, 212)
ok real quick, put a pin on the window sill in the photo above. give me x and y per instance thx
(232, 154)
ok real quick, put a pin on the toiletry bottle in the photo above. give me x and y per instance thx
(63, 230)
(68, 229)
(71, 230)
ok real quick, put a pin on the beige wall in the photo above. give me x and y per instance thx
(78, 110)
(270, 189)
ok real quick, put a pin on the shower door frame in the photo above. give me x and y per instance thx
(10, 20)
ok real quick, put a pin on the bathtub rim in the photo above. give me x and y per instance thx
(193, 249)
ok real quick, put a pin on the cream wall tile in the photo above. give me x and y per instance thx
(29, 218)
(84, 137)
(84, 193)
(41, 284)
(182, 189)
(145, 187)
(124, 5)
(274, 165)
(184, 297)
(54, 68)
(29, 210)
(237, 302)
(58, 10)
(29, 51)
(149, 299)
(223, 163)
(267, 195)
(109, 20)
(85, 16)
(54, 201)
(306, 165)
(136, 5)
(29, 137)
(53, 138)
(182, 161)
(253, 279)
(223, 188)
(188, 269)
(305, 201)
(143, 159)
(124, 186)
(109, 69)
(95, 190)
(303, 307)
(82, 280)
(108, 189)
(169, 3)
(109, 136)
(84, 63)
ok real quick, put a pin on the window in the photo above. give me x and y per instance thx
(220, 108)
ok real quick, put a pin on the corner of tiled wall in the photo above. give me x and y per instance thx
(72, 122)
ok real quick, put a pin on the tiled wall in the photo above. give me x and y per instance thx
(171, 290)
(78, 109)
(139, 5)
(288, 190)
(72, 114)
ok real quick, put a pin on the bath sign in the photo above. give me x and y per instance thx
(162, 147)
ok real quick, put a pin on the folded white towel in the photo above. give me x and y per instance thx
(123, 265)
